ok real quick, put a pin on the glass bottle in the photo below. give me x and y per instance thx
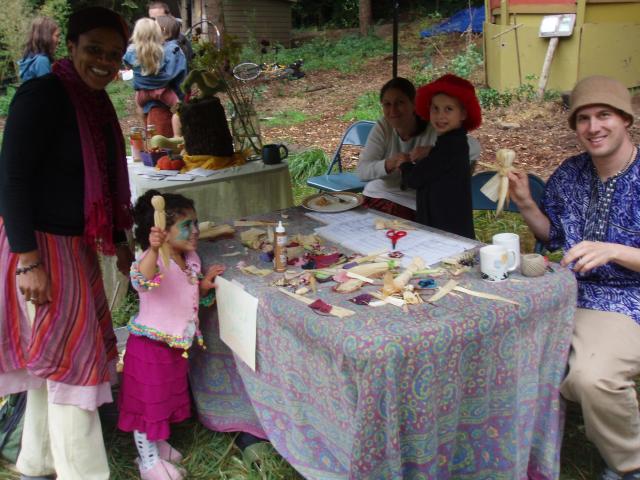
(137, 143)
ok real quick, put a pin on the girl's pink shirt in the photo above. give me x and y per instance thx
(172, 306)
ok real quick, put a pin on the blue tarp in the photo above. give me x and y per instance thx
(459, 22)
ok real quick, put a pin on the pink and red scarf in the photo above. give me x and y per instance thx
(107, 198)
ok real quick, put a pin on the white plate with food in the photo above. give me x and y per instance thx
(332, 202)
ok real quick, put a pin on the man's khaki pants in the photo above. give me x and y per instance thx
(61, 439)
(604, 360)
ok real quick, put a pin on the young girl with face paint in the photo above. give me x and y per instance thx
(154, 391)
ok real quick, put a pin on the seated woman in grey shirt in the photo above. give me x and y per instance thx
(399, 136)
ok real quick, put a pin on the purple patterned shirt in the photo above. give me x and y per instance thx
(582, 207)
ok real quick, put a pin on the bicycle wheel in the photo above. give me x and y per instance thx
(246, 71)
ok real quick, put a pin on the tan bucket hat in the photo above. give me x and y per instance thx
(599, 90)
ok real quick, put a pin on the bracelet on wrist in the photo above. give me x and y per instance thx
(28, 268)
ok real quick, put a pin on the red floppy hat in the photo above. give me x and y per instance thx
(453, 86)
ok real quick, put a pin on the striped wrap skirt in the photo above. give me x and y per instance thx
(71, 340)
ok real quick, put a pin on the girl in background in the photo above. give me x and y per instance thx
(39, 48)
(155, 390)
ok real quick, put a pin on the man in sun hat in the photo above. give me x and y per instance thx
(591, 209)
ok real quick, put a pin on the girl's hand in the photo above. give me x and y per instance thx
(207, 283)
(419, 152)
(393, 163)
(157, 237)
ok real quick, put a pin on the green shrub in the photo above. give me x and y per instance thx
(491, 98)
(307, 163)
(5, 101)
(367, 108)
(467, 62)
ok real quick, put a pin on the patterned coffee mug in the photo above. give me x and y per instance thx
(495, 262)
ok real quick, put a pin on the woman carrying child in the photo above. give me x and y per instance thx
(443, 177)
(159, 67)
(154, 391)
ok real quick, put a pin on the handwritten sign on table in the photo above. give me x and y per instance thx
(359, 234)
(237, 311)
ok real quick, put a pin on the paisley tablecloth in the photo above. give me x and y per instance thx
(467, 389)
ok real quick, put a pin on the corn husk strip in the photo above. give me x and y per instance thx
(442, 291)
(232, 254)
(253, 237)
(336, 311)
(216, 231)
(349, 286)
(398, 302)
(371, 270)
(488, 296)
(368, 258)
(497, 188)
(362, 278)
(253, 270)
(383, 224)
(401, 280)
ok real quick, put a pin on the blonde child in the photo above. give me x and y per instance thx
(443, 178)
(154, 391)
(159, 67)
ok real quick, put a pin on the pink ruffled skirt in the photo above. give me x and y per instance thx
(154, 391)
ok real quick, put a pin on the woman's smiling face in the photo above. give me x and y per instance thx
(96, 56)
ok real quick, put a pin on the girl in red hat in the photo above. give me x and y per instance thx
(443, 178)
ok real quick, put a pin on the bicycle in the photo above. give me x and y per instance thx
(247, 71)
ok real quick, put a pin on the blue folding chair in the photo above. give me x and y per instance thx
(481, 202)
(341, 181)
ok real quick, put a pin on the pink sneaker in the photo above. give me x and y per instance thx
(162, 470)
(168, 453)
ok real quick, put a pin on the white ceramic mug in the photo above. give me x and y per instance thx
(510, 241)
(496, 261)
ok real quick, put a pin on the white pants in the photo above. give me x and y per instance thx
(604, 360)
(61, 439)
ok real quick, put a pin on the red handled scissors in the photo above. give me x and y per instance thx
(394, 236)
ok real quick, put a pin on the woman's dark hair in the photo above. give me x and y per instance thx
(402, 84)
(41, 37)
(169, 26)
(174, 206)
(89, 18)
(406, 87)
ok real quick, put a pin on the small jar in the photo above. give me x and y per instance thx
(137, 143)
(151, 131)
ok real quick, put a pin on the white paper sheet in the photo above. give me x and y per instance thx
(181, 177)
(360, 235)
(203, 172)
(237, 312)
(337, 217)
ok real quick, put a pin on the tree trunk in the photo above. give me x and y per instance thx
(366, 17)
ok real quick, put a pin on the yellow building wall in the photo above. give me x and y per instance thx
(606, 43)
